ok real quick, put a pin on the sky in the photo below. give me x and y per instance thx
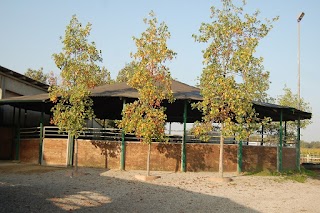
(30, 33)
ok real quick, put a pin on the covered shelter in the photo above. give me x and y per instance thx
(110, 99)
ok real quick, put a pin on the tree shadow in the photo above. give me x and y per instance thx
(171, 150)
(108, 149)
(201, 157)
(54, 192)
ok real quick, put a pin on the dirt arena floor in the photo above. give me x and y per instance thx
(33, 188)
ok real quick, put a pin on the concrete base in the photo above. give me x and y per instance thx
(221, 180)
(146, 178)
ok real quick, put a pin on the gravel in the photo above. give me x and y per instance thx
(30, 188)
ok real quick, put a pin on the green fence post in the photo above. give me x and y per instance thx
(279, 147)
(183, 145)
(123, 145)
(240, 157)
(298, 147)
(17, 152)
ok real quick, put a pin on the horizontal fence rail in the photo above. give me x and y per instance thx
(113, 134)
(33, 132)
(310, 158)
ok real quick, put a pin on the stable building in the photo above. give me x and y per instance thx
(111, 148)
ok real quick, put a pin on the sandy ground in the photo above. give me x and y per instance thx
(29, 188)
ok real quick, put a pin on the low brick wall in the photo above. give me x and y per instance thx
(29, 151)
(164, 156)
(104, 154)
(289, 158)
(55, 152)
(256, 158)
(205, 157)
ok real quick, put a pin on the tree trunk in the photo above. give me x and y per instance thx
(221, 153)
(148, 159)
(76, 155)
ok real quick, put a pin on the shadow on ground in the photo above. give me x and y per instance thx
(55, 191)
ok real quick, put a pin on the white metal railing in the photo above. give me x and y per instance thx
(116, 135)
(310, 158)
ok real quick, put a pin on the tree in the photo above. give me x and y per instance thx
(104, 77)
(151, 78)
(232, 76)
(37, 75)
(291, 100)
(126, 73)
(79, 73)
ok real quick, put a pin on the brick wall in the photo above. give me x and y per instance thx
(164, 157)
(289, 158)
(205, 157)
(104, 154)
(256, 158)
(29, 151)
(55, 152)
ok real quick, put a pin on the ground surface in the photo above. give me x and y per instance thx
(29, 188)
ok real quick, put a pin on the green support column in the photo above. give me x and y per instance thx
(123, 146)
(279, 147)
(17, 152)
(239, 157)
(183, 145)
(285, 134)
(41, 136)
(298, 147)
(14, 116)
(262, 135)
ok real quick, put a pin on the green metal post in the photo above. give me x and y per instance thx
(262, 135)
(123, 146)
(183, 146)
(17, 157)
(285, 134)
(41, 136)
(240, 157)
(14, 116)
(298, 147)
(25, 118)
(279, 153)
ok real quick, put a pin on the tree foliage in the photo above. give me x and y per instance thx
(291, 100)
(311, 145)
(146, 117)
(126, 73)
(80, 72)
(232, 77)
(37, 75)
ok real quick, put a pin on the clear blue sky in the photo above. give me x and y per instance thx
(30, 32)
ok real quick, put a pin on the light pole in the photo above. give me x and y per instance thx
(299, 20)
(299, 100)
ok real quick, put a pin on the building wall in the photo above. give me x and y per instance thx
(55, 152)
(288, 155)
(103, 154)
(164, 156)
(29, 151)
(256, 158)
(13, 87)
(6, 143)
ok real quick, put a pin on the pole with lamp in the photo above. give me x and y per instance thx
(299, 98)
